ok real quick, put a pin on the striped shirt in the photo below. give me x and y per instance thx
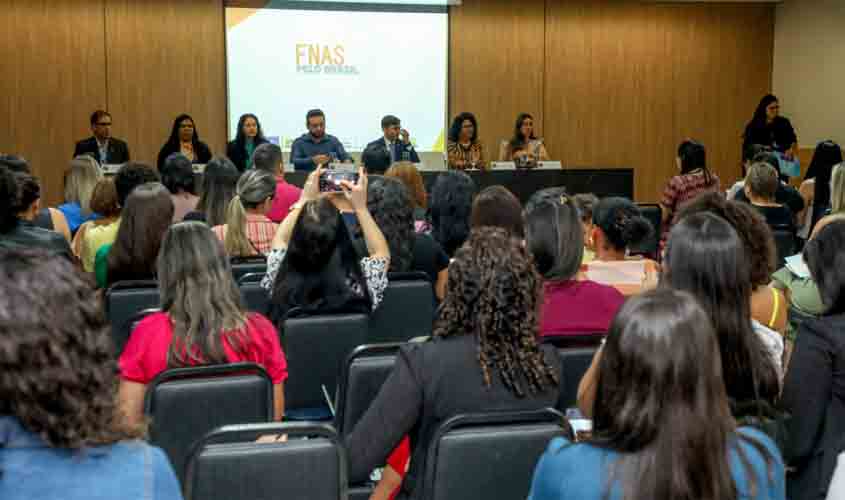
(259, 230)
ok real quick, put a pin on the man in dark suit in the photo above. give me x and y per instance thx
(394, 146)
(102, 146)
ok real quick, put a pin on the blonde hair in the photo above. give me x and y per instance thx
(80, 179)
(837, 188)
(253, 189)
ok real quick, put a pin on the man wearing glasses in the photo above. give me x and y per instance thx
(102, 146)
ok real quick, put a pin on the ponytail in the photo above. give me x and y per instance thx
(237, 242)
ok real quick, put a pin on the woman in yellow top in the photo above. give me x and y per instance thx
(464, 150)
(524, 148)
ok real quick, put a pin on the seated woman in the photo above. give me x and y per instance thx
(59, 437)
(618, 225)
(390, 205)
(495, 206)
(202, 321)
(50, 219)
(524, 148)
(80, 180)
(132, 256)
(247, 139)
(662, 427)
(20, 201)
(694, 179)
(761, 184)
(248, 231)
(706, 257)
(177, 175)
(586, 203)
(219, 182)
(463, 150)
(813, 387)
(314, 267)
(184, 139)
(104, 204)
(409, 175)
(484, 357)
(555, 237)
(769, 306)
(451, 207)
(816, 189)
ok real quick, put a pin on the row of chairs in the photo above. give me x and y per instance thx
(186, 403)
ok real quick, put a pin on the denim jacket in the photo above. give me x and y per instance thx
(32, 470)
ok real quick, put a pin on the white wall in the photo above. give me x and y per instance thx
(809, 68)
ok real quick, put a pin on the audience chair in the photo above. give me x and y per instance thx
(650, 247)
(785, 242)
(574, 364)
(186, 403)
(364, 372)
(242, 266)
(565, 341)
(407, 310)
(490, 456)
(124, 300)
(229, 464)
(255, 298)
(316, 348)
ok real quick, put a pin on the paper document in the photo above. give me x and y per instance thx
(795, 263)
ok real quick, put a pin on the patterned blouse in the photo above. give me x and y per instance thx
(459, 153)
(259, 231)
(374, 269)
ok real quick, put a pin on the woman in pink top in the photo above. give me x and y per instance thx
(203, 321)
(555, 236)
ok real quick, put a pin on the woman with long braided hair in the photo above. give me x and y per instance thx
(484, 357)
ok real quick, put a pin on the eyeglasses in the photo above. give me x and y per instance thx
(104, 124)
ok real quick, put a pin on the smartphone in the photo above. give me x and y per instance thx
(330, 177)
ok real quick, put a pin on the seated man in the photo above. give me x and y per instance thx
(316, 147)
(389, 149)
(102, 146)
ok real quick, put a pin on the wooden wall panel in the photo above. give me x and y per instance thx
(496, 65)
(166, 57)
(52, 62)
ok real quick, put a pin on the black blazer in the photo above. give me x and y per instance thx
(814, 393)
(430, 383)
(238, 155)
(201, 152)
(376, 157)
(118, 151)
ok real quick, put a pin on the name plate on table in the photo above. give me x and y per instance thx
(503, 165)
(343, 166)
(549, 165)
(541, 165)
(199, 168)
(111, 168)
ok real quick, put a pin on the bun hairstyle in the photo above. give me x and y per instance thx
(621, 222)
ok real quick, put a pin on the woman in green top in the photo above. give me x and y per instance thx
(248, 137)
(146, 217)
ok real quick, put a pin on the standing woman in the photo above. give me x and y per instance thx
(464, 150)
(248, 137)
(523, 144)
(768, 128)
(184, 139)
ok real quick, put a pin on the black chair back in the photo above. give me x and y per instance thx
(229, 464)
(187, 403)
(406, 312)
(315, 348)
(124, 300)
(574, 364)
(365, 370)
(490, 456)
(785, 243)
(650, 247)
(568, 341)
(241, 266)
(255, 298)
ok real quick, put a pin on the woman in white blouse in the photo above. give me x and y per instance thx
(313, 267)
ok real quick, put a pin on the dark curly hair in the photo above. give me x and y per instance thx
(496, 206)
(58, 374)
(621, 222)
(390, 206)
(130, 176)
(749, 224)
(451, 206)
(493, 295)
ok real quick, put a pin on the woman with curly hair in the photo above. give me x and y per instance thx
(60, 435)
(390, 205)
(451, 207)
(484, 357)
